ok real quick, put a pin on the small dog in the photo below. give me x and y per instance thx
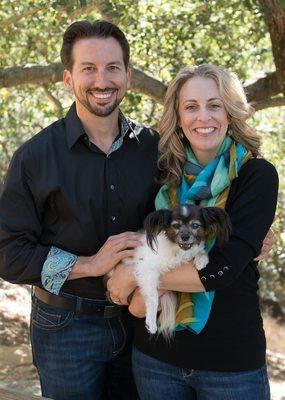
(173, 237)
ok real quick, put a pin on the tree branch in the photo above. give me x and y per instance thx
(52, 73)
(6, 23)
(274, 15)
(55, 101)
(260, 91)
(146, 84)
(103, 7)
(36, 74)
(263, 88)
(267, 103)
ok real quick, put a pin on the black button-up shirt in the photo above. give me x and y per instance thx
(61, 190)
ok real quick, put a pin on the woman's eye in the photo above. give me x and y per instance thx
(195, 225)
(191, 107)
(215, 106)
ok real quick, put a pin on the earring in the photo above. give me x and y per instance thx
(180, 133)
(229, 132)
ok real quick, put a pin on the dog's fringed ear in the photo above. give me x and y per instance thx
(155, 223)
(216, 221)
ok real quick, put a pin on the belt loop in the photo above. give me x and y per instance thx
(33, 297)
(78, 306)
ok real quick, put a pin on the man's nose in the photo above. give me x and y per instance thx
(101, 80)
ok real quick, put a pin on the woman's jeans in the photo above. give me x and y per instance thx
(83, 357)
(157, 380)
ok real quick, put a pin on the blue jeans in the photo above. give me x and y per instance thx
(84, 357)
(157, 380)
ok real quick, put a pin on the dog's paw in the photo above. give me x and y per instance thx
(151, 325)
(201, 261)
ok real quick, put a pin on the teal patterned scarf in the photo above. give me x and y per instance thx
(206, 186)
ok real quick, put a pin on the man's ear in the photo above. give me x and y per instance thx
(129, 77)
(67, 80)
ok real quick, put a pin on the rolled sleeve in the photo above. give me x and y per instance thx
(56, 269)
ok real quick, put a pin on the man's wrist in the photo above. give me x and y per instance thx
(82, 268)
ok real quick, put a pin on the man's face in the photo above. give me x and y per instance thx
(98, 78)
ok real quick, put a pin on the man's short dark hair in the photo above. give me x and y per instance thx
(84, 30)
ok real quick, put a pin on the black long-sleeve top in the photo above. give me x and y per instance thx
(63, 191)
(233, 338)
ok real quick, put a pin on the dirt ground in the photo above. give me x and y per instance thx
(18, 373)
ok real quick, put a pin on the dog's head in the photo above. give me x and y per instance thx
(188, 224)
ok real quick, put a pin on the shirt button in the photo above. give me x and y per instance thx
(113, 218)
(112, 187)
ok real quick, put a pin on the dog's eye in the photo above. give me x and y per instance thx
(195, 225)
(175, 225)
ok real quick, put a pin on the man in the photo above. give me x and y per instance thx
(73, 197)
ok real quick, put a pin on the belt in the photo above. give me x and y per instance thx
(78, 304)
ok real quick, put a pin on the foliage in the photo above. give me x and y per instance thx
(270, 125)
(164, 35)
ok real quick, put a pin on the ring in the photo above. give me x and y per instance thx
(112, 300)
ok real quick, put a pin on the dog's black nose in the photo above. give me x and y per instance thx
(185, 237)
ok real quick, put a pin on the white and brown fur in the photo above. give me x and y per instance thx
(173, 237)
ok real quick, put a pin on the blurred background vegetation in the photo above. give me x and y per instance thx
(244, 36)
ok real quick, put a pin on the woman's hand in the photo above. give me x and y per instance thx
(121, 284)
(267, 245)
(137, 305)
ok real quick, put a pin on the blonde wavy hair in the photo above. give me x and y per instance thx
(172, 148)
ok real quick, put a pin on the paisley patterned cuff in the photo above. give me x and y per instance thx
(56, 269)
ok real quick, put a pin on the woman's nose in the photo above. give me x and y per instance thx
(203, 114)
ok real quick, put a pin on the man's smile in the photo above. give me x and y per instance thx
(102, 95)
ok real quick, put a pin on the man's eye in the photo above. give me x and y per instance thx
(175, 225)
(195, 225)
(113, 68)
(88, 69)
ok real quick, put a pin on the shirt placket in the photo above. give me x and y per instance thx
(113, 209)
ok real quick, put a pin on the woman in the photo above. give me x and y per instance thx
(209, 156)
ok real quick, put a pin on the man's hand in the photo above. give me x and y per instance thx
(267, 245)
(115, 249)
(122, 283)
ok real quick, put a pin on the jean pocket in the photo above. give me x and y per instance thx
(50, 318)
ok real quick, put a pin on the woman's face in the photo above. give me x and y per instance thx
(203, 117)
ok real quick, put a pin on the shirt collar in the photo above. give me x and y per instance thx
(75, 128)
